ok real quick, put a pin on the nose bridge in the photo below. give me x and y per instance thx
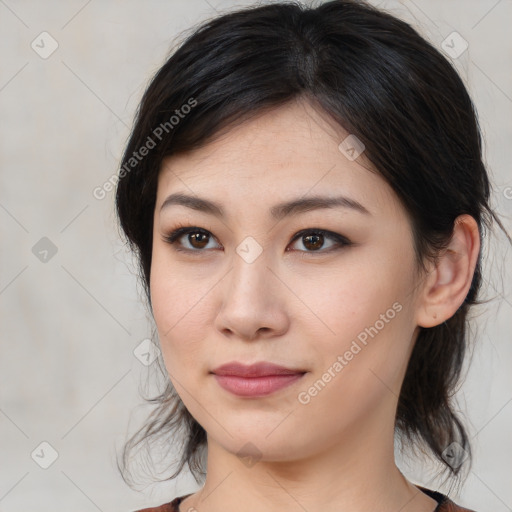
(250, 267)
(249, 297)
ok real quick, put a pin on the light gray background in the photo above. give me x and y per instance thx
(69, 326)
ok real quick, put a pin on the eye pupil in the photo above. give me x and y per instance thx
(200, 238)
(317, 241)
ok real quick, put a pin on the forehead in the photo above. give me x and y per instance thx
(295, 131)
(292, 151)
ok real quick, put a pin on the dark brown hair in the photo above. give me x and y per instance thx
(376, 77)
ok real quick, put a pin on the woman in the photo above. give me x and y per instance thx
(305, 191)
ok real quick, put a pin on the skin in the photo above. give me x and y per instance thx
(296, 307)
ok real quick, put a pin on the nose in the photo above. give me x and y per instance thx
(253, 302)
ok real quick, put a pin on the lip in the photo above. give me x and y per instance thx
(262, 369)
(259, 379)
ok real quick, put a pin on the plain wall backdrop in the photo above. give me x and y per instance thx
(72, 317)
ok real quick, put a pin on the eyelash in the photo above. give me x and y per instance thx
(182, 230)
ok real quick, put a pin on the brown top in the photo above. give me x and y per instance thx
(444, 503)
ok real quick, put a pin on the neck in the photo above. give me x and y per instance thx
(357, 475)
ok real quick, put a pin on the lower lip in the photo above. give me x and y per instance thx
(256, 386)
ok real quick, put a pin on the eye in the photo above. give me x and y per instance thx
(198, 239)
(314, 240)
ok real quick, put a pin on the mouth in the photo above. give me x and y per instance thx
(256, 380)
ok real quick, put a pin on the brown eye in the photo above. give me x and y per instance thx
(191, 239)
(314, 241)
(198, 240)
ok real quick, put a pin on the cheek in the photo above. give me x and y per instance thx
(178, 307)
(342, 301)
(363, 314)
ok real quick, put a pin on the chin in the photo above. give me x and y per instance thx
(254, 444)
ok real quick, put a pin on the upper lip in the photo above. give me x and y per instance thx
(261, 369)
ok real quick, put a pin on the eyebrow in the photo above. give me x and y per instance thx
(278, 212)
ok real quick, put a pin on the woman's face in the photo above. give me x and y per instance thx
(247, 288)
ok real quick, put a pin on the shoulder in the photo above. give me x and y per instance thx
(449, 506)
(166, 507)
(445, 504)
(172, 506)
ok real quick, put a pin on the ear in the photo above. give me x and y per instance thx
(448, 281)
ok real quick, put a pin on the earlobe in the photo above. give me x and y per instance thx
(448, 282)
